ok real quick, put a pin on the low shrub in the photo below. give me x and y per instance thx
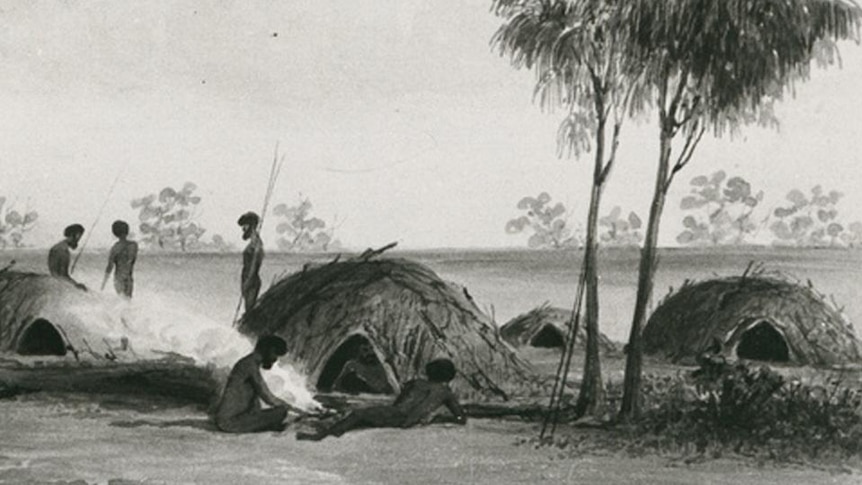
(752, 411)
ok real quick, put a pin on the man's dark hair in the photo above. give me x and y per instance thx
(271, 342)
(73, 230)
(120, 228)
(248, 218)
(440, 370)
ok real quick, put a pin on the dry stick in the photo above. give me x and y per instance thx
(571, 351)
(274, 172)
(557, 391)
(98, 216)
(565, 361)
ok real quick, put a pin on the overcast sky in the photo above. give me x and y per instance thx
(396, 118)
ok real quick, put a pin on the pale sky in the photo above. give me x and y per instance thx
(395, 116)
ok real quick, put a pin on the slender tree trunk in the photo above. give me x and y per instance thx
(631, 405)
(591, 397)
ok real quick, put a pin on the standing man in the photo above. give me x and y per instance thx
(252, 258)
(60, 255)
(121, 260)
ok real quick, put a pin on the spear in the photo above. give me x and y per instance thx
(96, 221)
(274, 172)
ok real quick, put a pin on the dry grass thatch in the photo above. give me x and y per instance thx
(41, 315)
(34, 319)
(55, 336)
(403, 309)
(547, 326)
(755, 317)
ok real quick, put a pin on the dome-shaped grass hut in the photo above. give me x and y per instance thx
(58, 337)
(397, 309)
(43, 316)
(751, 317)
(547, 327)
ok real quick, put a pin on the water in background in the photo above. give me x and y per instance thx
(503, 283)
(160, 321)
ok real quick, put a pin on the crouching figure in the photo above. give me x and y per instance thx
(414, 405)
(239, 410)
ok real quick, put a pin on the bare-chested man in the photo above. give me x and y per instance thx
(121, 260)
(239, 409)
(252, 258)
(60, 255)
(414, 405)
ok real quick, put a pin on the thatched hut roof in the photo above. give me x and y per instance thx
(547, 326)
(56, 336)
(753, 317)
(401, 308)
(43, 315)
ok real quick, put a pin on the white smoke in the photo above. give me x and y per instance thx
(154, 325)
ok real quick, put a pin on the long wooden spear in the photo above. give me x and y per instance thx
(274, 172)
(96, 221)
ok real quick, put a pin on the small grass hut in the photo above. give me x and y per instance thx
(43, 316)
(54, 336)
(751, 317)
(547, 327)
(401, 309)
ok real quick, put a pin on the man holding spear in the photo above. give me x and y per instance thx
(252, 258)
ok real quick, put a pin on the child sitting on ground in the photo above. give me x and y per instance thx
(414, 405)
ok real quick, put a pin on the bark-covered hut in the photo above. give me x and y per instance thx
(401, 309)
(547, 327)
(45, 316)
(751, 317)
(54, 336)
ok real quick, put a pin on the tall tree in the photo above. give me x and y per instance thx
(578, 52)
(717, 65)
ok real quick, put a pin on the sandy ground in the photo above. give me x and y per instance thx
(49, 438)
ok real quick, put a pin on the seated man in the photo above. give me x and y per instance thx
(414, 405)
(60, 255)
(363, 374)
(239, 409)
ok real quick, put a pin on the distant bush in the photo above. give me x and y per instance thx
(812, 220)
(14, 225)
(546, 222)
(299, 231)
(719, 210)
(620, 231)
(168, 220)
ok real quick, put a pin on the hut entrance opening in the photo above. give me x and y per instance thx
(763, 342)
(41, 338)
(548, 337)
(354, 368)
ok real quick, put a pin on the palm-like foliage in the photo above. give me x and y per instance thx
(578, 52)
(718, 65)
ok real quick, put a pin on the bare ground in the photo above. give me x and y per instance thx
(53, 438)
